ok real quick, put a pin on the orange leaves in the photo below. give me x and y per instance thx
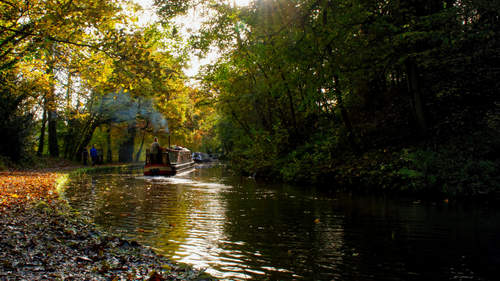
(21, 187)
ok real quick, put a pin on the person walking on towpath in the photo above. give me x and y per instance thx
(94, 155)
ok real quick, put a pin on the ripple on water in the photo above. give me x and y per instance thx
(239, 229)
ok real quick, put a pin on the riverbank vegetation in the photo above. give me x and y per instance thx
(386, 95)
(369, 94)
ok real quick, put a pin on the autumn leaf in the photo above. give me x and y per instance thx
(21, 187)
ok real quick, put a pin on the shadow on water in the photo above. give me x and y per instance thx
(240, 229)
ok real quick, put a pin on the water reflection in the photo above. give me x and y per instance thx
(239, 229)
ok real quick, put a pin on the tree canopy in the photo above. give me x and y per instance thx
(372, 92)
(76, 66)
(308, 89)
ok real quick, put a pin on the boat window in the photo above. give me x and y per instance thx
(173, 156)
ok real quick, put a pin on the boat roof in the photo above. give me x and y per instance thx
(178, 148)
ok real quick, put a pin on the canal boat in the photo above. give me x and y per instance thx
(171, 161)
(200, 157)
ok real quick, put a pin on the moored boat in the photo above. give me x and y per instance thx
(200, 157)
(169, 162)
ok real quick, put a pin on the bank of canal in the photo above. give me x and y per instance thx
(237, 228)
(42, 238)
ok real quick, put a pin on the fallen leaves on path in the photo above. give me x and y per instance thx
(42, 239)
(49, 242)
(26, 186)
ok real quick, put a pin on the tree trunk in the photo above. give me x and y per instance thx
(69, 137)
(291, 105)
(348, 125)
(345, 116)
(125, 154)
(142, 142)
(109, 155)
(53, 144)
(86, 137)
(52, 114)
(41, 142)
(68, 91)
(416, 96)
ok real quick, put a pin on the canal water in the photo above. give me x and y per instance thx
(240, 229)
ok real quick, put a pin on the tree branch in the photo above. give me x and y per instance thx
(8, 3)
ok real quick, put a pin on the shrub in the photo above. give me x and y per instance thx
(449, 171)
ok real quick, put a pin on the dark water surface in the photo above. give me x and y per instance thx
(240, 229)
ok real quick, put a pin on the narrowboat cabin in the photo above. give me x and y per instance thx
(168, 161)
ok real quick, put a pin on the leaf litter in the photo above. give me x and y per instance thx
(42, 238)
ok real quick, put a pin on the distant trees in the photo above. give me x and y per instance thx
(310, 84)
(61, 61)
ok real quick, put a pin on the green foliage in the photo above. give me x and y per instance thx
(423, 166)
(172, 8)
(309, 162)
(257, 160)
(449, 171)
(324, 89)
